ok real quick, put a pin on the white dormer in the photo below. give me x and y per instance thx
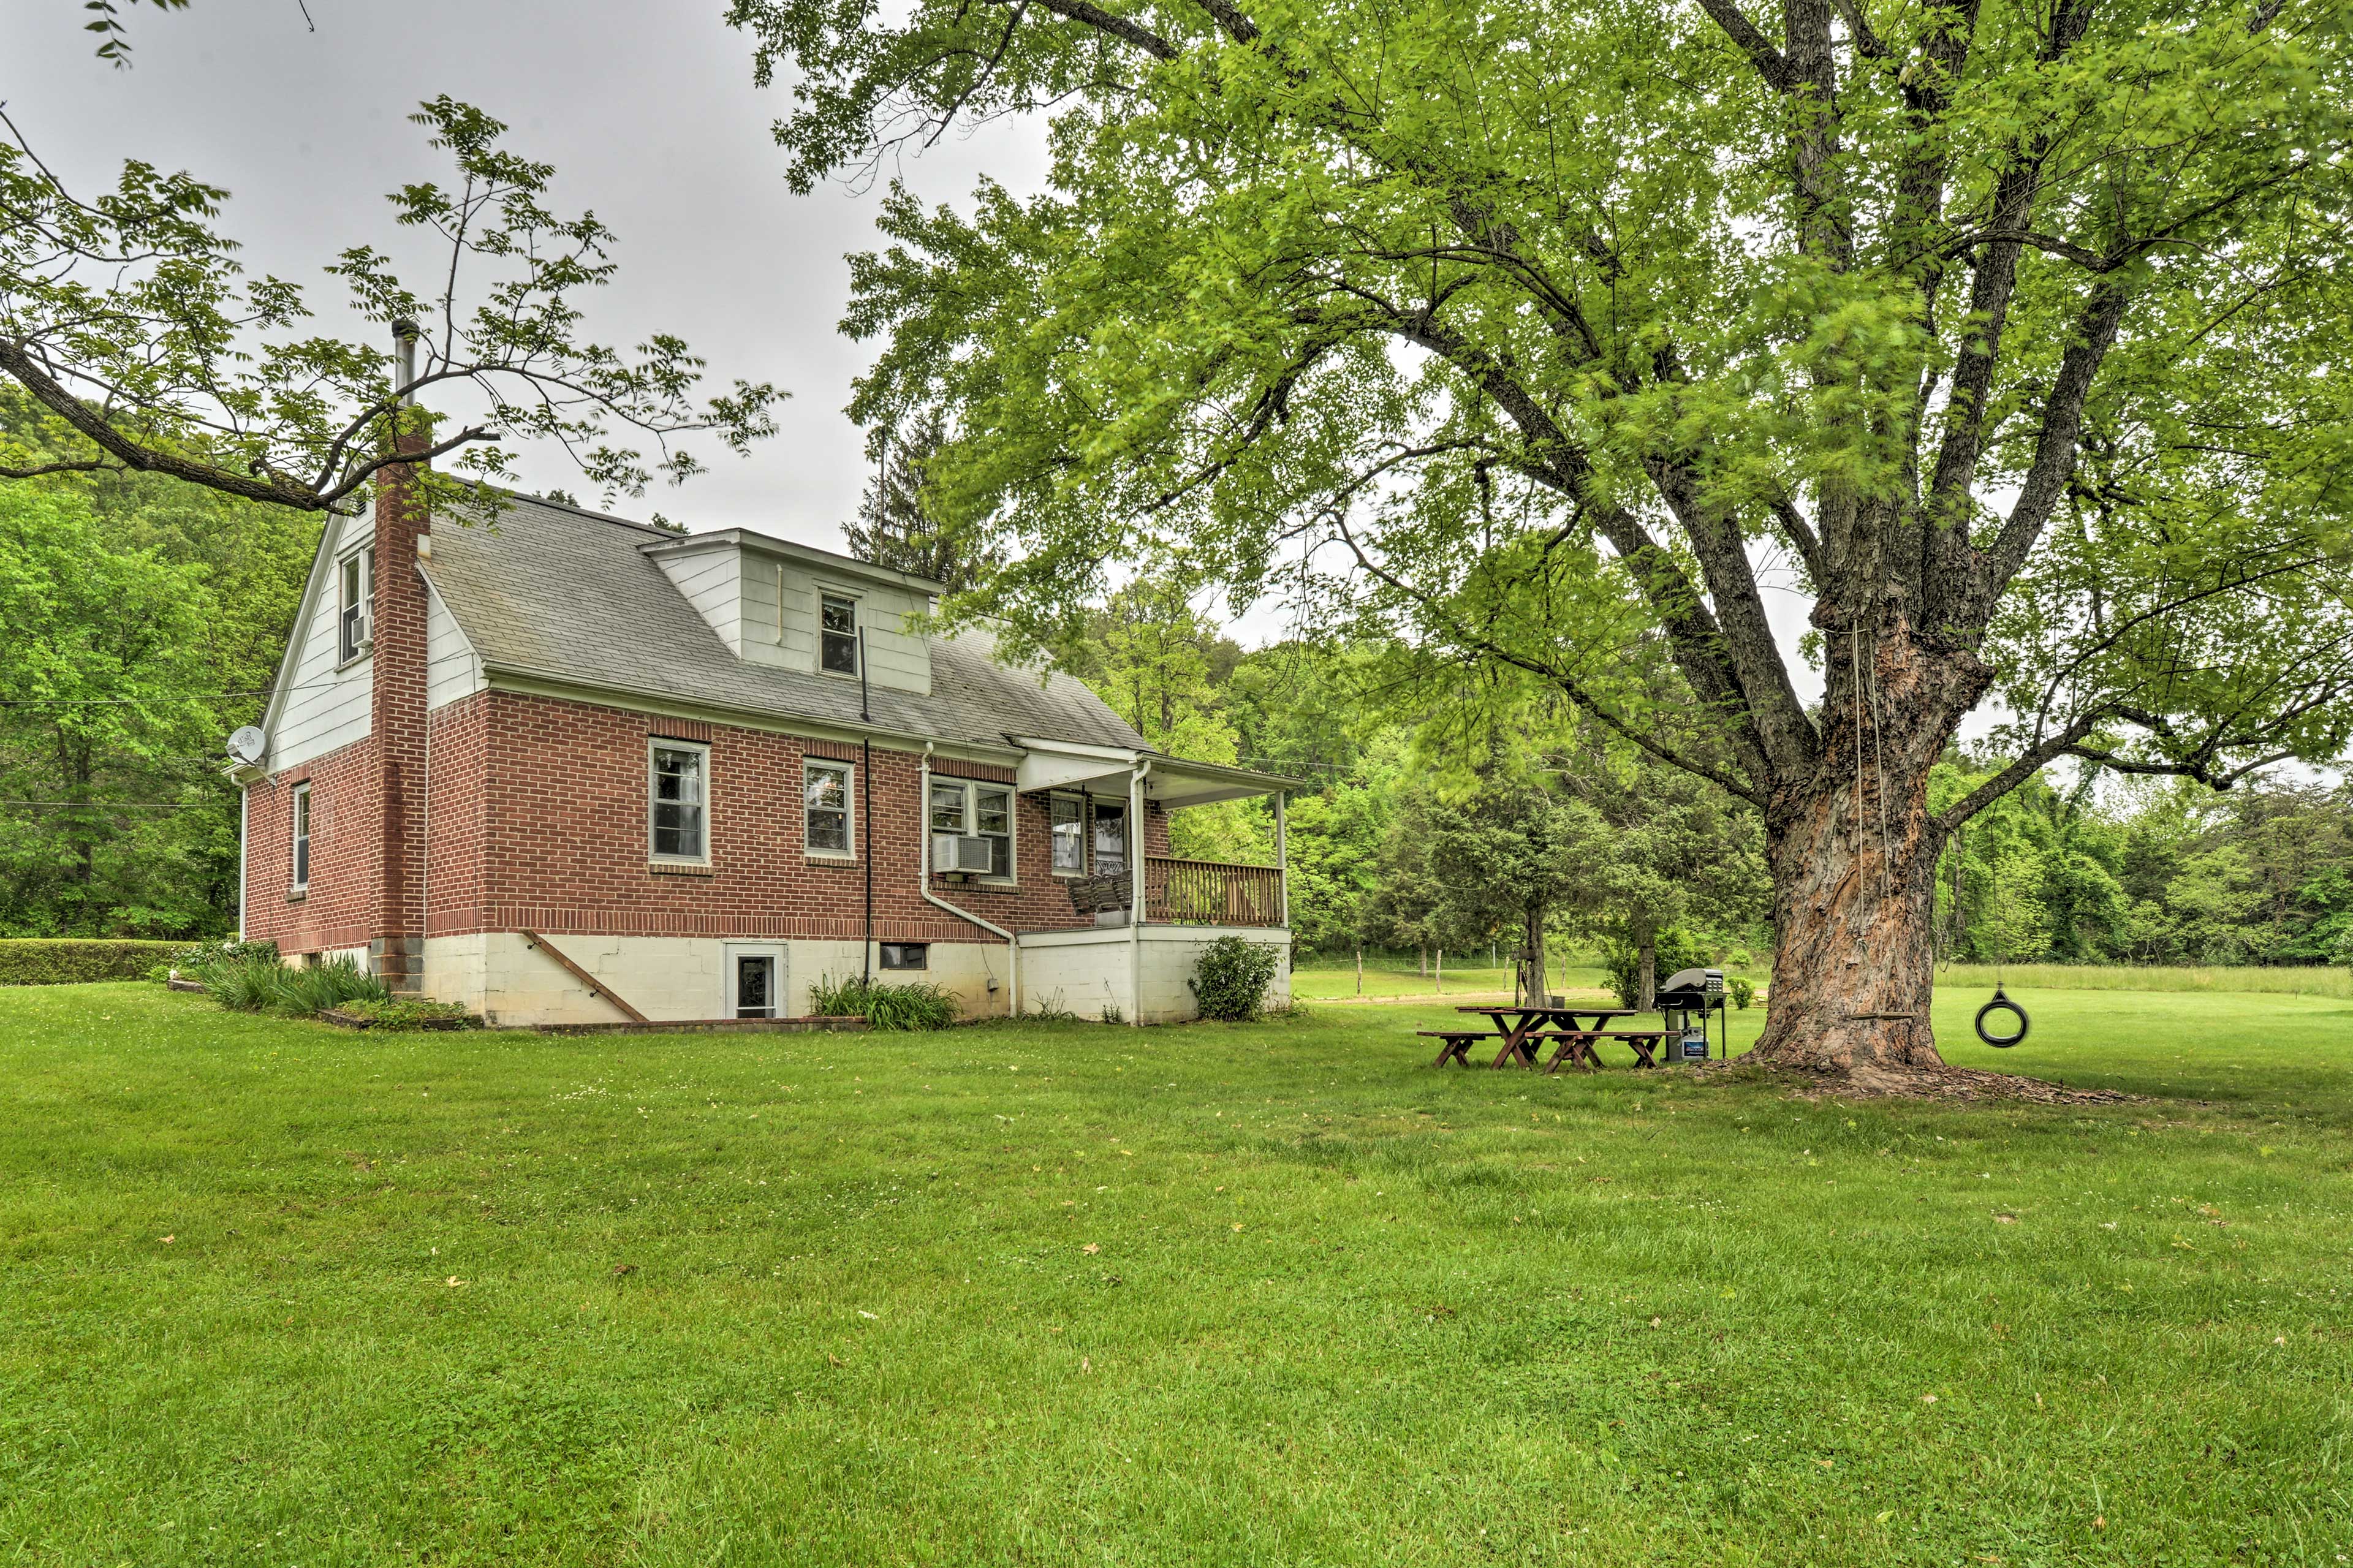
(774, 602)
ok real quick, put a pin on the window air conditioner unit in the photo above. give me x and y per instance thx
(951, 852)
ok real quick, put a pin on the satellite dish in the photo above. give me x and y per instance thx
(247, 744)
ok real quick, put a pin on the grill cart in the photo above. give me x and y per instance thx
(1685, 1000)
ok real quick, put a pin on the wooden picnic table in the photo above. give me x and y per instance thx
(1518, 1026)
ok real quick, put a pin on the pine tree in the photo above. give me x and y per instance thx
(895, 526)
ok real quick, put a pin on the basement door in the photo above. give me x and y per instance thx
(755, 981)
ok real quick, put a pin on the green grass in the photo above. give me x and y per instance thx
(2303, 980)
(816, 1300)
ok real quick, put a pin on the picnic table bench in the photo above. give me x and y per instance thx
(1517, 1027)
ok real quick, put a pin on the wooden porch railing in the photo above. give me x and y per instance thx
(1207, 892)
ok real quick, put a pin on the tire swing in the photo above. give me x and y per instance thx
(2000, 1002)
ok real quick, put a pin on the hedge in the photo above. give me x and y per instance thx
(75, 960)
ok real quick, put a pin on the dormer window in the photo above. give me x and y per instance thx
(837, 652)
(354, 579)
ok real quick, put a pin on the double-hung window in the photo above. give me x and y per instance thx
(1110, 838)
(679, 801)
(1068, 816)
(825, 795)
(836, 635)
(354, 581)
(961, 810)
(301, 837)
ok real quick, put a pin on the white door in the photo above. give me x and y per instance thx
(755, 981)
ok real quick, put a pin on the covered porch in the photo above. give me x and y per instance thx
(1140, 964)
(1169, 890)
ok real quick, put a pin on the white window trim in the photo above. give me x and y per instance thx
(732, 950)
(664, 743)
(848, 803)
(364, 555)
(302, 837)
(825, 591)
(1094, 806)
(1086, 833)
(972, 825)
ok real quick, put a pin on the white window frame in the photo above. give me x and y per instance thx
(970, 809)
(301, 829)
(857, 625)
(655, 745)
(349, 650)
(1128, 838)
(730, 1006)
(849, 771)
(1054, 842)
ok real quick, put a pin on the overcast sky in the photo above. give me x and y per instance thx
(648, 113)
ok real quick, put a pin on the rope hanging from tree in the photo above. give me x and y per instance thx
(2000, 1002)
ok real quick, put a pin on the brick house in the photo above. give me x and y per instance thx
(566, 768)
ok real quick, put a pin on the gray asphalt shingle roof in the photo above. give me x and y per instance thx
(568, 594)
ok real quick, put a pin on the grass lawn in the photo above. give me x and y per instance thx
(275, 1294)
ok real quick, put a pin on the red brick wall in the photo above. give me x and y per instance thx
(533, 816)
(339, 909)
(538, 822)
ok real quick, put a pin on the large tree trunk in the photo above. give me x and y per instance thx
(1853, 856)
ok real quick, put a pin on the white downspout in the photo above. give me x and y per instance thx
(924, 885)
(1282, 865)
(1136, 892)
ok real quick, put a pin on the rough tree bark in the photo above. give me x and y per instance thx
(1853, 849)
(1539, 982)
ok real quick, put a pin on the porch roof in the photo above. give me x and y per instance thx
(1172, 781)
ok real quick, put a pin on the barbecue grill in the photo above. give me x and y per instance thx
(1685, 1000)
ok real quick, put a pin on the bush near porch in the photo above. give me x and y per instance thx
(277, 1293)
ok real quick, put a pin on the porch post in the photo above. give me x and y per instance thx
(1282, 865)
(1136, 843)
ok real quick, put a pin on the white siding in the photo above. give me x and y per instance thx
(324, 708)
(452, 669)
(712, 582)
(764, 608)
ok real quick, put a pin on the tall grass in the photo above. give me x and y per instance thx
(2288, 981)
(904, 1007)
(253, 983)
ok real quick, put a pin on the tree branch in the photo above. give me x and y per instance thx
(2020, 769)
(1752, 43)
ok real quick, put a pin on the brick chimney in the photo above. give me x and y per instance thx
(396, 948)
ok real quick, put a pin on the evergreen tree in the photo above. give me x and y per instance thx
(896, 526)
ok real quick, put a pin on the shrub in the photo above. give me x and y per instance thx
(205, 953)
(301, 992)
(904, 1007)
(77, 961)
(409, 1013)
(1234, 973)
(1744, 990)
(1677, 949)
(255, 983)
